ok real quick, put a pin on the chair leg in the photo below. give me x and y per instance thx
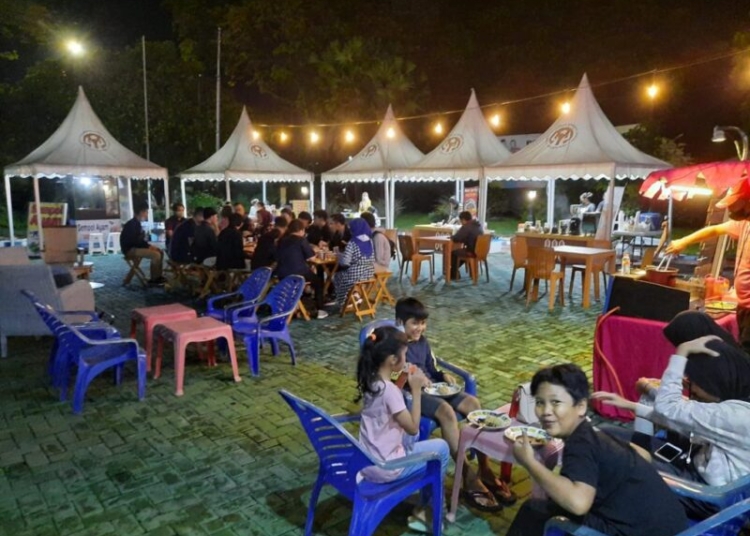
(179, 365)
(595, 277)
(570, 285)
(311, 507)
(552, 293)
(416, 268)
(512, 278)
(487, 270)
(432, 268)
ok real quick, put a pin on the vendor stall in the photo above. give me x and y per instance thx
(95, 166)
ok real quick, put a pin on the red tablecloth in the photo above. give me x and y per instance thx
(636, 348)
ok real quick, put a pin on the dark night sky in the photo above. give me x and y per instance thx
(706, 98)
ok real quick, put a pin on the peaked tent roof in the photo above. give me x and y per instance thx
(380, 155)
(242, 158)
(82, 146)
(469, 147)
(580, 145)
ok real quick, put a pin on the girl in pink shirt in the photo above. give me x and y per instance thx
(385, 420)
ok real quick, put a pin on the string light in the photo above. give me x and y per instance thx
(390, 133)
(495, 120)
(349, 137)
(256, 135)
(565, 107)
(74, 47)
(652, 91)
(283, 137)
(314, 137)
(438, 128)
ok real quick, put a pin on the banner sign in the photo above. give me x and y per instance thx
(53, 215)
(96, 226)
(471, 200)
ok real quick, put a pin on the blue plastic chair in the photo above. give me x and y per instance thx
(426, 425)
(721, 496)
(282, 300)
(93, 357)
(342, 457)
(94, 328)
(250, 292)
(728, 522)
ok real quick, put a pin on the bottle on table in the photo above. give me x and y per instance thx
(626, 264)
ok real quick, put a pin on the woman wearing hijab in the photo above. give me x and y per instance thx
(716, 417)
(356, 262)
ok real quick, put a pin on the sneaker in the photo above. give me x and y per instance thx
(330, 303)
(322, 314)
(357, 298)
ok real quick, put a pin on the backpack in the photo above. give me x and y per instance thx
(390, 243)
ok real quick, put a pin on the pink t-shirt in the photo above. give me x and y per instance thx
(740, 231)
(379, 432)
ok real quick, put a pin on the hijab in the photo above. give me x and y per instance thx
(361, 234)
(726, 376)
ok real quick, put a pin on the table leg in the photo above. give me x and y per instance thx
(233, 357)
(587, 283)
(149, 329)
(447, 260)
(159, 352)
(458, 478)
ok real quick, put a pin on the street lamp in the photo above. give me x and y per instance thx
(720, 135)
(531, 195)
(75, 47)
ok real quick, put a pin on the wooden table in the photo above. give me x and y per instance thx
(494, 445)
(590, 255)
(329, 264)
(438, 242)
(549, 239)
(420, 231)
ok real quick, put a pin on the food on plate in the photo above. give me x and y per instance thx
(536, 436)
(489, 419)
(445, 389)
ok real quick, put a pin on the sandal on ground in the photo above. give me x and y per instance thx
(472, 498)
(501, 491)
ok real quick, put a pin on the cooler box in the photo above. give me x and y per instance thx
(652, 218)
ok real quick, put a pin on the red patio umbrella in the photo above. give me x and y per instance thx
(718, 176)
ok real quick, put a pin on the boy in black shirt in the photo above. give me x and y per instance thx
(604, 484)
(230, 251)
(133, 244)
(319, 231)
(265, 251)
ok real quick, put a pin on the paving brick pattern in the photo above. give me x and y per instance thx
(231, 458)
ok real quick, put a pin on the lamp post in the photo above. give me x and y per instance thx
(531, 196)
(720, 135)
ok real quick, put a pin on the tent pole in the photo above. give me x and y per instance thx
(166, 198)
(457, 193)
(264, 193)
(130, 197)
(150, 208)
(182, 191)
(228, 192)
(551, 201)
(312, 195)
(38, 213)
(393, 205)
(386, 201)
(322, 194)
(10, 211)
(669, 219)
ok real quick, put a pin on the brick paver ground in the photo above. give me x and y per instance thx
(231, 458)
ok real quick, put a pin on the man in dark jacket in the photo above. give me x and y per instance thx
(180, 249)
(176, 219)
(341, 234)
(134, 245)
(319, 231)
(204, 243)
(265, 251)
(467, 236)
(230, 253)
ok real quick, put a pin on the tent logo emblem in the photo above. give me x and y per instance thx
(562, 136)
(452, 144)
(369, 151)
(258, 151)
(94, 140)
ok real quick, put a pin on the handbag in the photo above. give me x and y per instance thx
(522, 405)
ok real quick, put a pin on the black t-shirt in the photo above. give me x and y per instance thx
(631, 498)
(230, 252)
(265, 251)
(339, 240)
(316, 234)
(179, 247)
(132, 236)
(292, 253)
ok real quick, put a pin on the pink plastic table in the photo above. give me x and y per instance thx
(150, 316)
(496, 446)
(182, 333)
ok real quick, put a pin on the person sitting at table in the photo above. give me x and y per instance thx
(255, 206)
(467, 236)
(603, 484)
(265, 250)
(288, 213)
(226, 212)
(356, 262)
(380, 243)
(483, 490)
(714, 420)
(319, 234)
(341, 233)
(205, 241)
(133, 244)
(293, 256)
(230, 247)
(172, 222)
(180, 249)
(264, 222)
(306, 218)
(247, 223)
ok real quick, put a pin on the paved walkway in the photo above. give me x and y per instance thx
(231, 458)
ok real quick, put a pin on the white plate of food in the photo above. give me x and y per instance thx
(443, 389)
(489, 420)
(719, 305)
(537, 436)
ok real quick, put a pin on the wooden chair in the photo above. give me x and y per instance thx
(541, 265)
(481, 251)
(406, 247)
(519, 253)
(599, 268)
(358, 301)
(379, 292)
(135, 271)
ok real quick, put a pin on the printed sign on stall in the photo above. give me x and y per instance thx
(53, 215)
(96, 226)
(471, 200)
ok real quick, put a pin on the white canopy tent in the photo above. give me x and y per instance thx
(80, 147)
(461, 156)
(245, 158)
(582, 144)
(387, 150)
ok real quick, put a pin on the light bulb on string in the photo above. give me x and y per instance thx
(74, 47)
(283, 137)
(652, 91)
(565, 107)
(495, 120)
(390, 133)
(256, 135)
(438, 128)
(314, 137)
(349, 137)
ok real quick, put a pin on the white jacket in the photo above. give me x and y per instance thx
(722, 428)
